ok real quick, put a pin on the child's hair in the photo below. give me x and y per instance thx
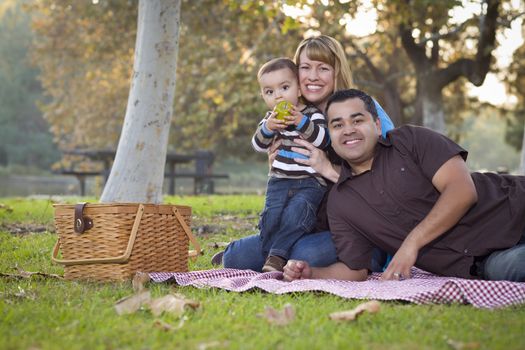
(326, 49)
(276, 64)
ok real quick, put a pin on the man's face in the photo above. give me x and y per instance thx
(353, 132)
(279, 85)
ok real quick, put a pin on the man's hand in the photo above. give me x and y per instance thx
(457, 195)
(402, 262)
(296, 270)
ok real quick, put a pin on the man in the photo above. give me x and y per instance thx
(412, 195)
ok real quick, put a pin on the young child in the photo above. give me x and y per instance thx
(294, 190)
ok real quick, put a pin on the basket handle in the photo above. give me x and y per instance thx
(118, 259)
(187, 230)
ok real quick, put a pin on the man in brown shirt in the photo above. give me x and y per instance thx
(413, 196)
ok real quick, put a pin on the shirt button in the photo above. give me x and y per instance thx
(465, 251)
(381, 192)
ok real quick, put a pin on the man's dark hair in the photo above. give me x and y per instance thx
(343, 95)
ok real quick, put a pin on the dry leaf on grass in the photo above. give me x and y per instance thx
(280, 318)
(169, 327)
(213, 344)
(457, 345)
(171, 303)
(26, 274)
(131, 304)
(350, 315)
(139, 280)
(6, 207)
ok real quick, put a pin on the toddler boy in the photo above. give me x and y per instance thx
(294, 190)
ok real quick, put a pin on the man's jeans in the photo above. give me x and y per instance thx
(316, 248)
(508, 264)
(290, 212)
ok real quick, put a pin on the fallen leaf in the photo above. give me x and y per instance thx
(457, 345)
(139, 280)
(166, 326)
(6, 207)
(280, 318)
(26, 275)
(213, 344)
(350, 315)
(172, 304)
(131, 304)
(22, 294)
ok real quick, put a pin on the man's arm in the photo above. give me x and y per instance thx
(457, 195)
(295, 269)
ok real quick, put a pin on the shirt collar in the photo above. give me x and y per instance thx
(346, 169)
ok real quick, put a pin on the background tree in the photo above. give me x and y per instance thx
(516, 85)
(222, 43)
(218, 101)
(24, 133)
(84, 52)
(137, 174)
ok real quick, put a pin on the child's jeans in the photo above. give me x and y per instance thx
(289, 213)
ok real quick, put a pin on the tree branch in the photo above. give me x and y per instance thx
(415, 53)
(475, 70)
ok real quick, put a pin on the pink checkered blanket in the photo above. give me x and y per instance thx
(423, 288)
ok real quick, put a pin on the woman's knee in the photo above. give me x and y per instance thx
(317, 249)
(244, 254)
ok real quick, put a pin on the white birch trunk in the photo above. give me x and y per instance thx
(138, 170)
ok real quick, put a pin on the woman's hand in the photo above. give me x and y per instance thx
(317, 159)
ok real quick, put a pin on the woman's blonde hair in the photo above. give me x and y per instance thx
(326, 49)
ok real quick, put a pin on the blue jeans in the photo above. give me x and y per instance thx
(317, 249)
(508, 264)
(290, 212)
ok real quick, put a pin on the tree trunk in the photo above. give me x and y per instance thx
(433, 114)
(393, 104)
(138, 170)
(522, 162)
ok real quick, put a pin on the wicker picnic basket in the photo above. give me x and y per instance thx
(108, 242)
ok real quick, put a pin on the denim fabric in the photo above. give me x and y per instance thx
(316, 248)
(290, 211)
(508, 264)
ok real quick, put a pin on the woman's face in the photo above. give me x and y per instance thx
(316, 79)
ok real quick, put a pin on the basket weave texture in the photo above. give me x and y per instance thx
(161, 242)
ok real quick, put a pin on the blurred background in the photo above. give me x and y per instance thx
(65, 70)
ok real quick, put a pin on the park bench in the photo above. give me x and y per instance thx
(202, 175)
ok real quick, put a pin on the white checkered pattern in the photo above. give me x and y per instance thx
(422, 288)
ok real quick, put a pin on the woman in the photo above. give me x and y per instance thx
(323, 69)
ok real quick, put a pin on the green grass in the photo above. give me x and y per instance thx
(45, 313)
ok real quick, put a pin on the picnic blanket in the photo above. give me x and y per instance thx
(422, 288)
